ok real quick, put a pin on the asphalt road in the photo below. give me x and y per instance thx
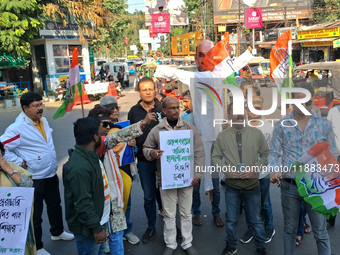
(208, 239)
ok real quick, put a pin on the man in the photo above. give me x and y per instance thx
(139, 76)
(159, 85)
(120, 77)
(28, 143)
(244, 87)
(111, 104)
(334, 116)
(266, 207)
(187, 115)
(244, 150)
(147, 169)
(182, 196)
(290, 143)
(204, 123)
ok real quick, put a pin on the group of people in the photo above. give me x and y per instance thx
(97, 202)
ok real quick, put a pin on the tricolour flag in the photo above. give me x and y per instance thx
(219, 59)
(73, 88)
(281, 62)
(318, 179)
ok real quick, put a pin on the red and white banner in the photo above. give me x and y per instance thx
(253, 18)
(161, 23)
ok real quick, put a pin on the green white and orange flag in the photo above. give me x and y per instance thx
(318, 179)
(73, 88)
(281, 61)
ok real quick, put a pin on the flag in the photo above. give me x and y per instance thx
(73, 88)
(281, 62)
(219, 59)
(318, 179)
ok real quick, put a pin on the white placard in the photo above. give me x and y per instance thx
(177, 161)
(15, 212)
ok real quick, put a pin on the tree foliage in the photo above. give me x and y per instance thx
(20, 21)
(326, 11)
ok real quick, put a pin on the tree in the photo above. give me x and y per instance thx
(20, 21)
(326, 11)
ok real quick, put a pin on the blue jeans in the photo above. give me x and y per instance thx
(88, 246)
(291, 202)
(147, 174)
(215, 204)
(127, 216)
(116, 242)
(252, 202)
(266, 211)
(302, 219)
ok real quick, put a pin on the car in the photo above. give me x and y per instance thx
(114, 68)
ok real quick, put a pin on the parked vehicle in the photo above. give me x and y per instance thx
(114, 69)
(260, 71)
(328, 87)
(131, 66)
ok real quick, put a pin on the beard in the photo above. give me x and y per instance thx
(97, 145)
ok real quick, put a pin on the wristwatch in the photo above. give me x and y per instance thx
(14, 172)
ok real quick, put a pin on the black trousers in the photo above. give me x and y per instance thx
(48, 190)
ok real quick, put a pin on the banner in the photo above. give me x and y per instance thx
(144, 36)
(177, 160)
(253, 18)
(319, 33)
(161, 23)
(15, 213)
(176, 9)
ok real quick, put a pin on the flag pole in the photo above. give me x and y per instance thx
(81, 100)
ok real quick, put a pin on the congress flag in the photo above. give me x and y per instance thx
(73, 88)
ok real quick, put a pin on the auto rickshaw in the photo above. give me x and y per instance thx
(327, 85)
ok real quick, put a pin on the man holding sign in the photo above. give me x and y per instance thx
(176, 179)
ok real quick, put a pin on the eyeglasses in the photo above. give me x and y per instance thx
(105, 124)
(37, 105)
(115, 108)
(173, 108)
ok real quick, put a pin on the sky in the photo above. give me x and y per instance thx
(135, 4)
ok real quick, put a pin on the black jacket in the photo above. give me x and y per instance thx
(137, 113)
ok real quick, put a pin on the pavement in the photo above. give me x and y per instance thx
(208, 238)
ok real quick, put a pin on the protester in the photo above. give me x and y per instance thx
(203, 122)
(147, 169)
(139, 76)
(266, 207)
(120, 77)
(28, 143)
(12, 175)
(182, 196)
(288, 144)
(159, 85)
(244, 150)
(111, 104)
(187, 115)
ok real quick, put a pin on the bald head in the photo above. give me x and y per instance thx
(201, 50)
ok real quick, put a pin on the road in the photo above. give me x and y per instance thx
(208, 239)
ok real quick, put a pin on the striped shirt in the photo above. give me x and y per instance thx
(106, 211)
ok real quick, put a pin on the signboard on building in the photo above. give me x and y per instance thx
(319, 33)
(152, 34)
(294, 31)
(222, 29)
(144, 36)
(316, 43)
(56, 30)
(336, 43)
(227, 11)
(185, 44)
(161, 23)
(270, 35)
(253, 18)
(258, 36)
(176, 9)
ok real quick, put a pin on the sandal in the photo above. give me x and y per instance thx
(218, 221)
(307, 228)
(298, 241)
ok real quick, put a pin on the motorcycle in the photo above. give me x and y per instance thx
(61, 90)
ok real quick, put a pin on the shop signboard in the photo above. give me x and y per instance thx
(336, 43)
(270, 35)
(57, 30)
(185, 44)
(222, 29)
(161, 23)
(319, 33)
(284, 29)
(175, 8)
(316, 43)
(227, 11)
(253, 18)
(144, 36)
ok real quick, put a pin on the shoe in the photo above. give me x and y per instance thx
(131, 238)
(196, 220)
(218, 221)
(168, 251)
(261, 251)
(148, 235)
(191, 251)
(161, 212)
(64, 236)
(247, 236)
(43, 252)
(229, 251)
(298, 240)
(270, 232)
(107, 248)
(307, 229)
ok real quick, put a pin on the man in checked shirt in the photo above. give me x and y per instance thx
(290, 142)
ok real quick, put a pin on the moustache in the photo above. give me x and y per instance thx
(40, 111)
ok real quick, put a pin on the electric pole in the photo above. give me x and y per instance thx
(239, 29)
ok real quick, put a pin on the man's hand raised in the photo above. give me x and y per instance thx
(150, 116)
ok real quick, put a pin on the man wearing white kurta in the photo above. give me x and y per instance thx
(201, 85)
